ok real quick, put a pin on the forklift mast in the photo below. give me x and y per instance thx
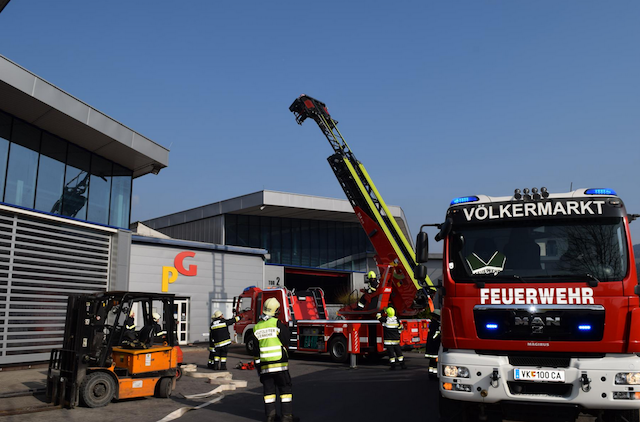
(395, 256)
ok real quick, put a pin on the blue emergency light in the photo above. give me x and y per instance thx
(584, 327)
(491, 326)
(600, 192)
(464, 200)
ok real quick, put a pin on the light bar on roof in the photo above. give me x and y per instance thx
(603, 191)
(464, 200)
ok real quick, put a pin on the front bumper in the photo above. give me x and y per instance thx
(589, 382)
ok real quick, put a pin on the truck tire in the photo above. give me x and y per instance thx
(97, 389)
(627, 415)
(338, 349)
(164, 388)
(248, 343)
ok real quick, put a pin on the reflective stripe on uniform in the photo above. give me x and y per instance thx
(271, 398)
(391, 342)
(274, 367)
(286, 398)
(223, 343)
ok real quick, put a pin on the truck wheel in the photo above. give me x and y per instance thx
(248, 343)
(627, 415)
(164, 387)
(338, 349)
(97, 389)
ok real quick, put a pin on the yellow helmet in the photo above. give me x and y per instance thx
(271, 306)
(391, 312)
(371, 275)
(216, 314)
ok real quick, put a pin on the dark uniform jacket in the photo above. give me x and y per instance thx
(219, 332)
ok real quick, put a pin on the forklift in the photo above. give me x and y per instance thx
(115, 346)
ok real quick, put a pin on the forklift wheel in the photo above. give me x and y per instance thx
(178, 373)
(97, 389)
(164, 387)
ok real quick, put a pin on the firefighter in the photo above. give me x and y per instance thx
(370, 286)
(152, 332)
(391, 333)
(270, 341)
(129, 328)
(433, 343)
(219, 340)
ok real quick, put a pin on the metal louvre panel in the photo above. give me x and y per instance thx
(42, 261)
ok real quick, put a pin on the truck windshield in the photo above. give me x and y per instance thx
(540, 250)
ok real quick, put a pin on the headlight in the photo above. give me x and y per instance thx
(628, 378)
(455, 371)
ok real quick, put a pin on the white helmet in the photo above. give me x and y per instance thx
(271, 306)
(155, 316)
(216, 314)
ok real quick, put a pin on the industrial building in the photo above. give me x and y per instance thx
(305, 241)
(66, 173)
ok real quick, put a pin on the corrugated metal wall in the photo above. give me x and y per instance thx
(42, 261)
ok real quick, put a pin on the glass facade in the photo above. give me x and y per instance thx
(43, 172)
(299, 242)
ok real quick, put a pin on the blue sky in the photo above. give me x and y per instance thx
(437, 99)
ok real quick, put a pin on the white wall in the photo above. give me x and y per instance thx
(219, 277)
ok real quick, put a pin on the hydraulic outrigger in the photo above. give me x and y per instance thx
(394, 254)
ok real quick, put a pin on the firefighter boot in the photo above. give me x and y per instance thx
(271, 417)
(290, 418)
(216, 365)
(393, 367)
(402, 365)
(223, 366)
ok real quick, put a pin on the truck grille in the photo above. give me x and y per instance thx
(519, 388)
(540, 361)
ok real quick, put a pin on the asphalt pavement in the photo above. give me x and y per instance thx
(322, 391)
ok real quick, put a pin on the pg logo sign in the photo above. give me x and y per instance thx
(170, 274)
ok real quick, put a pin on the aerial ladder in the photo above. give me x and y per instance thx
(395, 256)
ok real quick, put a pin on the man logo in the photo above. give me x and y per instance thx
(537, 324)
(170, 274)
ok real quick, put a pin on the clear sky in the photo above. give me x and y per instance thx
(437, 99)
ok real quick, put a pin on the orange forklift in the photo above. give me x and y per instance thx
(115, 346)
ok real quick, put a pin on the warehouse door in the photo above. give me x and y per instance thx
(181, 315)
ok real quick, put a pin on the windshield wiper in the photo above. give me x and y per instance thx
(594, 280)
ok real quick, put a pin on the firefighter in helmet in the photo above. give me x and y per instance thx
(433, 343)
(391, 328)
(270, 341)
(219, 340)
(370, 286)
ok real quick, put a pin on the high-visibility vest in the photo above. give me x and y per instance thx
(272, 358)
(391, 330)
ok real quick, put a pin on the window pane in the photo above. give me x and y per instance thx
(243, 230)
(230, 229)
(295, 242)
(23, 165)
(99, 190)
(5, 134)
(286, 241)
(314, 237)
(76, 180)
(276, 244)
(120, 197)
(254, 231)
(51, 174)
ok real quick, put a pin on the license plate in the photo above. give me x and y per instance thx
(538, 375)
(415, 339)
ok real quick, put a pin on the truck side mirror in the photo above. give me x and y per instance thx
(422, 247)
(445, 229)
(420, 272)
